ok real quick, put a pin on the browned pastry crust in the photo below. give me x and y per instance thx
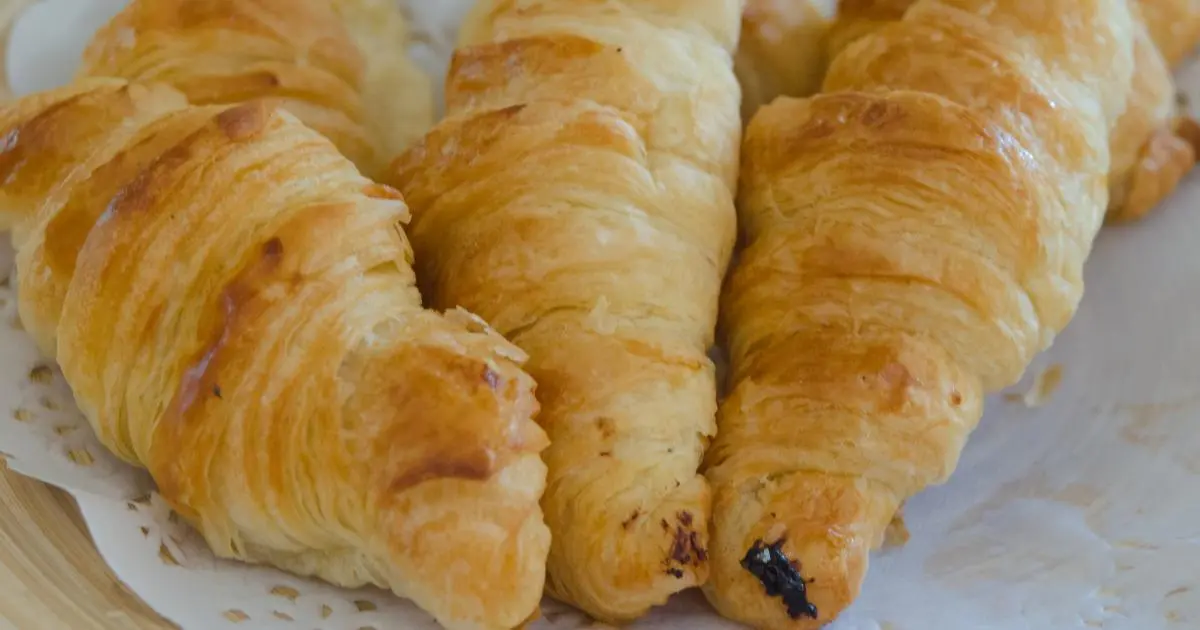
(329, 63)
(914, 236)
(1150, 150)
(235, 310)
(579, 196)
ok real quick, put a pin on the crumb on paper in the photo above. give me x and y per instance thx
(896, 534)
(282, 615)
(1044, 387)
(64, 429)
(166, 556)
(22, 415)
(285, 592)
(81, 457)
(41, 374)
(365, 605)
(326, 611)
(236, 616)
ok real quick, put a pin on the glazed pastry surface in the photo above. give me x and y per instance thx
(234, 308)
(1154, 145)
(914, 236)
(579, 196)
(339, 66)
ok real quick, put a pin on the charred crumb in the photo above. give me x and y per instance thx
(605, 453)
(701, 552)
(685, 546)
(665, 525)
(780, 577)
(217, 392)
(675, 573)
(627, 523)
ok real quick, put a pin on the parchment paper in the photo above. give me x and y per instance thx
(1083, 512)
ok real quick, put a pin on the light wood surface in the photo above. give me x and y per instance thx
(51, 576)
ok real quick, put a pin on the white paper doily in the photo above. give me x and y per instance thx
(1081, 513)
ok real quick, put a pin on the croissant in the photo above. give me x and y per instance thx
(914, 236)
(579, 197)
(782, 50)
(340, 66)
(235, 310)
(1153, 146)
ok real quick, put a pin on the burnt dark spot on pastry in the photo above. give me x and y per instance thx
(491, 377)
(269, 79)
(605, 453)
(512, 110)
(627, 523)
(243, 121)
(607, 427)
(780, 577)
(686, 548)
(476, 466)
(675, 573)
(273, 249)
(882, 113)
(666, 527)
(217, 392)
(701, 552)
(956, 398)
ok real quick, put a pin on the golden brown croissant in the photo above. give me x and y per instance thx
(914, 236)
(1152, 146)
(234, 308)
(579, 198)
(348, 78)
(782, 50)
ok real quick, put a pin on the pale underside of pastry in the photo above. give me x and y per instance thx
(782, 51)
(341, 67)
(234, 308)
